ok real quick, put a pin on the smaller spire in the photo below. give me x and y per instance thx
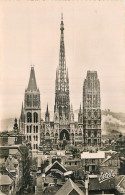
(22, 110)
(47, 110)
(47, 115)
(80, 108)
(61, 16)
(22, 113)
(15, 127)
(22, 107)
(71, 109)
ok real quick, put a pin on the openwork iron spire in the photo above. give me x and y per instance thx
(62, 100)
(62, 80)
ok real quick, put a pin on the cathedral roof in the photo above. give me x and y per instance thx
(32, 86)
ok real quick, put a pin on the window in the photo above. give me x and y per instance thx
(29, 117)
(80, 133)
(36, 129)
(95, 133)
(36, 138)
(30, 128)
(35, 117)
(95, 122)
(89, 122)
(89, 133)
(34, 146)
(27, 129)
(93, 160)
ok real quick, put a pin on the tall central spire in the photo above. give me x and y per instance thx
(62, 46)
(62, 79)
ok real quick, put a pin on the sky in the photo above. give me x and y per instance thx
(30, 35)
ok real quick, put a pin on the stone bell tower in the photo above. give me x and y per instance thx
(32, 112)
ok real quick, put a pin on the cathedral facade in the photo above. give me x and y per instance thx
(63, 129)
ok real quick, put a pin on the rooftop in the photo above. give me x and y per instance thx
(68, 187)
(5, 180)
(97, 155)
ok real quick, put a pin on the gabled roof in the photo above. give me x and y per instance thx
(5, 180)
(32, 86)
(121, 185)
(68, 187)
(50, 166)
(112, 156)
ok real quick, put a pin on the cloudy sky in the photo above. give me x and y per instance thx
(94, 40)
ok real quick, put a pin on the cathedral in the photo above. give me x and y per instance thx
(63, 129)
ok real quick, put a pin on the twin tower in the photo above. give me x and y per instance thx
(63, 130)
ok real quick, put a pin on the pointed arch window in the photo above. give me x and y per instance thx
(30, 128)
(28, 100)
(60, 110)
(35, 115)
(27, 129)
(36, 129)
(29, 117)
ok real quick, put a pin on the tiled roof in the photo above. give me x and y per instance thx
(121, 185)
(51, 165)
(112, 183)
(68, 187)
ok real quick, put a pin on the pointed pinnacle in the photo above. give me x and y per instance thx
(61, 16)
(71, 108)
(47, 110)
(80, 108)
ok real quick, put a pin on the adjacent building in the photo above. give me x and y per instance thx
(91, 110)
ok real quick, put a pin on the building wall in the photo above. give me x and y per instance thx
(91, 110)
